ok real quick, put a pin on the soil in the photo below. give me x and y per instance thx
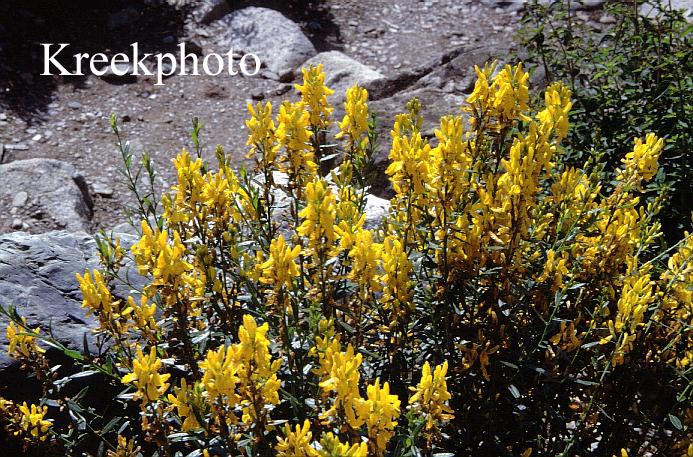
(67, 118)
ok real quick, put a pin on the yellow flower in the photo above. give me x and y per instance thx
(431, 396)
(409, 167)
(146, 377)
(98, 300)
(450, 162)
(396, 283)
(22, 346)
(257, 372)
(343, 381)
(293, 133)
(505, 100)
(164, 260)
(219, 376)
(281, 266)
(555, 115)
(314, 95)
(365, 255)
(354, 125)
(33, 422)
(379, 411)
(296, 443)
(185, 399)
(262, 137)
(641, 162)
(332, 447)
(318, 217)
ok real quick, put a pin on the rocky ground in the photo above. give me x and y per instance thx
(67, 118)
(60, 169)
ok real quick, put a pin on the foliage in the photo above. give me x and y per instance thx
(508, 304)
(628, 78)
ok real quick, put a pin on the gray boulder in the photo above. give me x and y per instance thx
(37, 276)
(52, 193)
(277, 41)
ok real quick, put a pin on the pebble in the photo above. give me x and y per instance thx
(3, 117)
(17, 224)
(74, 105)
(37, 137)
(17, 147)
(102, 189)
(20, 199)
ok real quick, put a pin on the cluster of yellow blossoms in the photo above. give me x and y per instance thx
(277, 322)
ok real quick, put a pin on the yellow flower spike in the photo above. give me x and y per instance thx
(219, 375)
(281, 266)
(32, 421)
(431, 396)
(99, 301)
(379, 411)
(293, 134)
(185, 399)
(555, 115)
(354, 125)
(365, 255)
(318, 217)
(343, 382)
(150, 384)
(499, 104)
(395, 280)
(314, 95)
(262, 139)
(296, 443)
(641, 162)
(257, 372)
(22, 346)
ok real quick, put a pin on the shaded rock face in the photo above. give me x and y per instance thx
(45, 194)
(37, 276)
(277, 41)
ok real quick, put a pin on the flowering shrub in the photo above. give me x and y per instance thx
(506, 305)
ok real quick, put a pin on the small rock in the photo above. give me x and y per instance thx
(20, 199)
(17, 224)
(17, 147)
(74, 105)
(126, 118)
(3, 117)
(257, 96)
(37, 137)
(281, 90)
(102, 189)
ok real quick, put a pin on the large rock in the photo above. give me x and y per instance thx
(342, 72)
(37, 276)
(54, 195)
(277, 41)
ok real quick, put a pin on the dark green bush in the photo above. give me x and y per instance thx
(628, 77)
